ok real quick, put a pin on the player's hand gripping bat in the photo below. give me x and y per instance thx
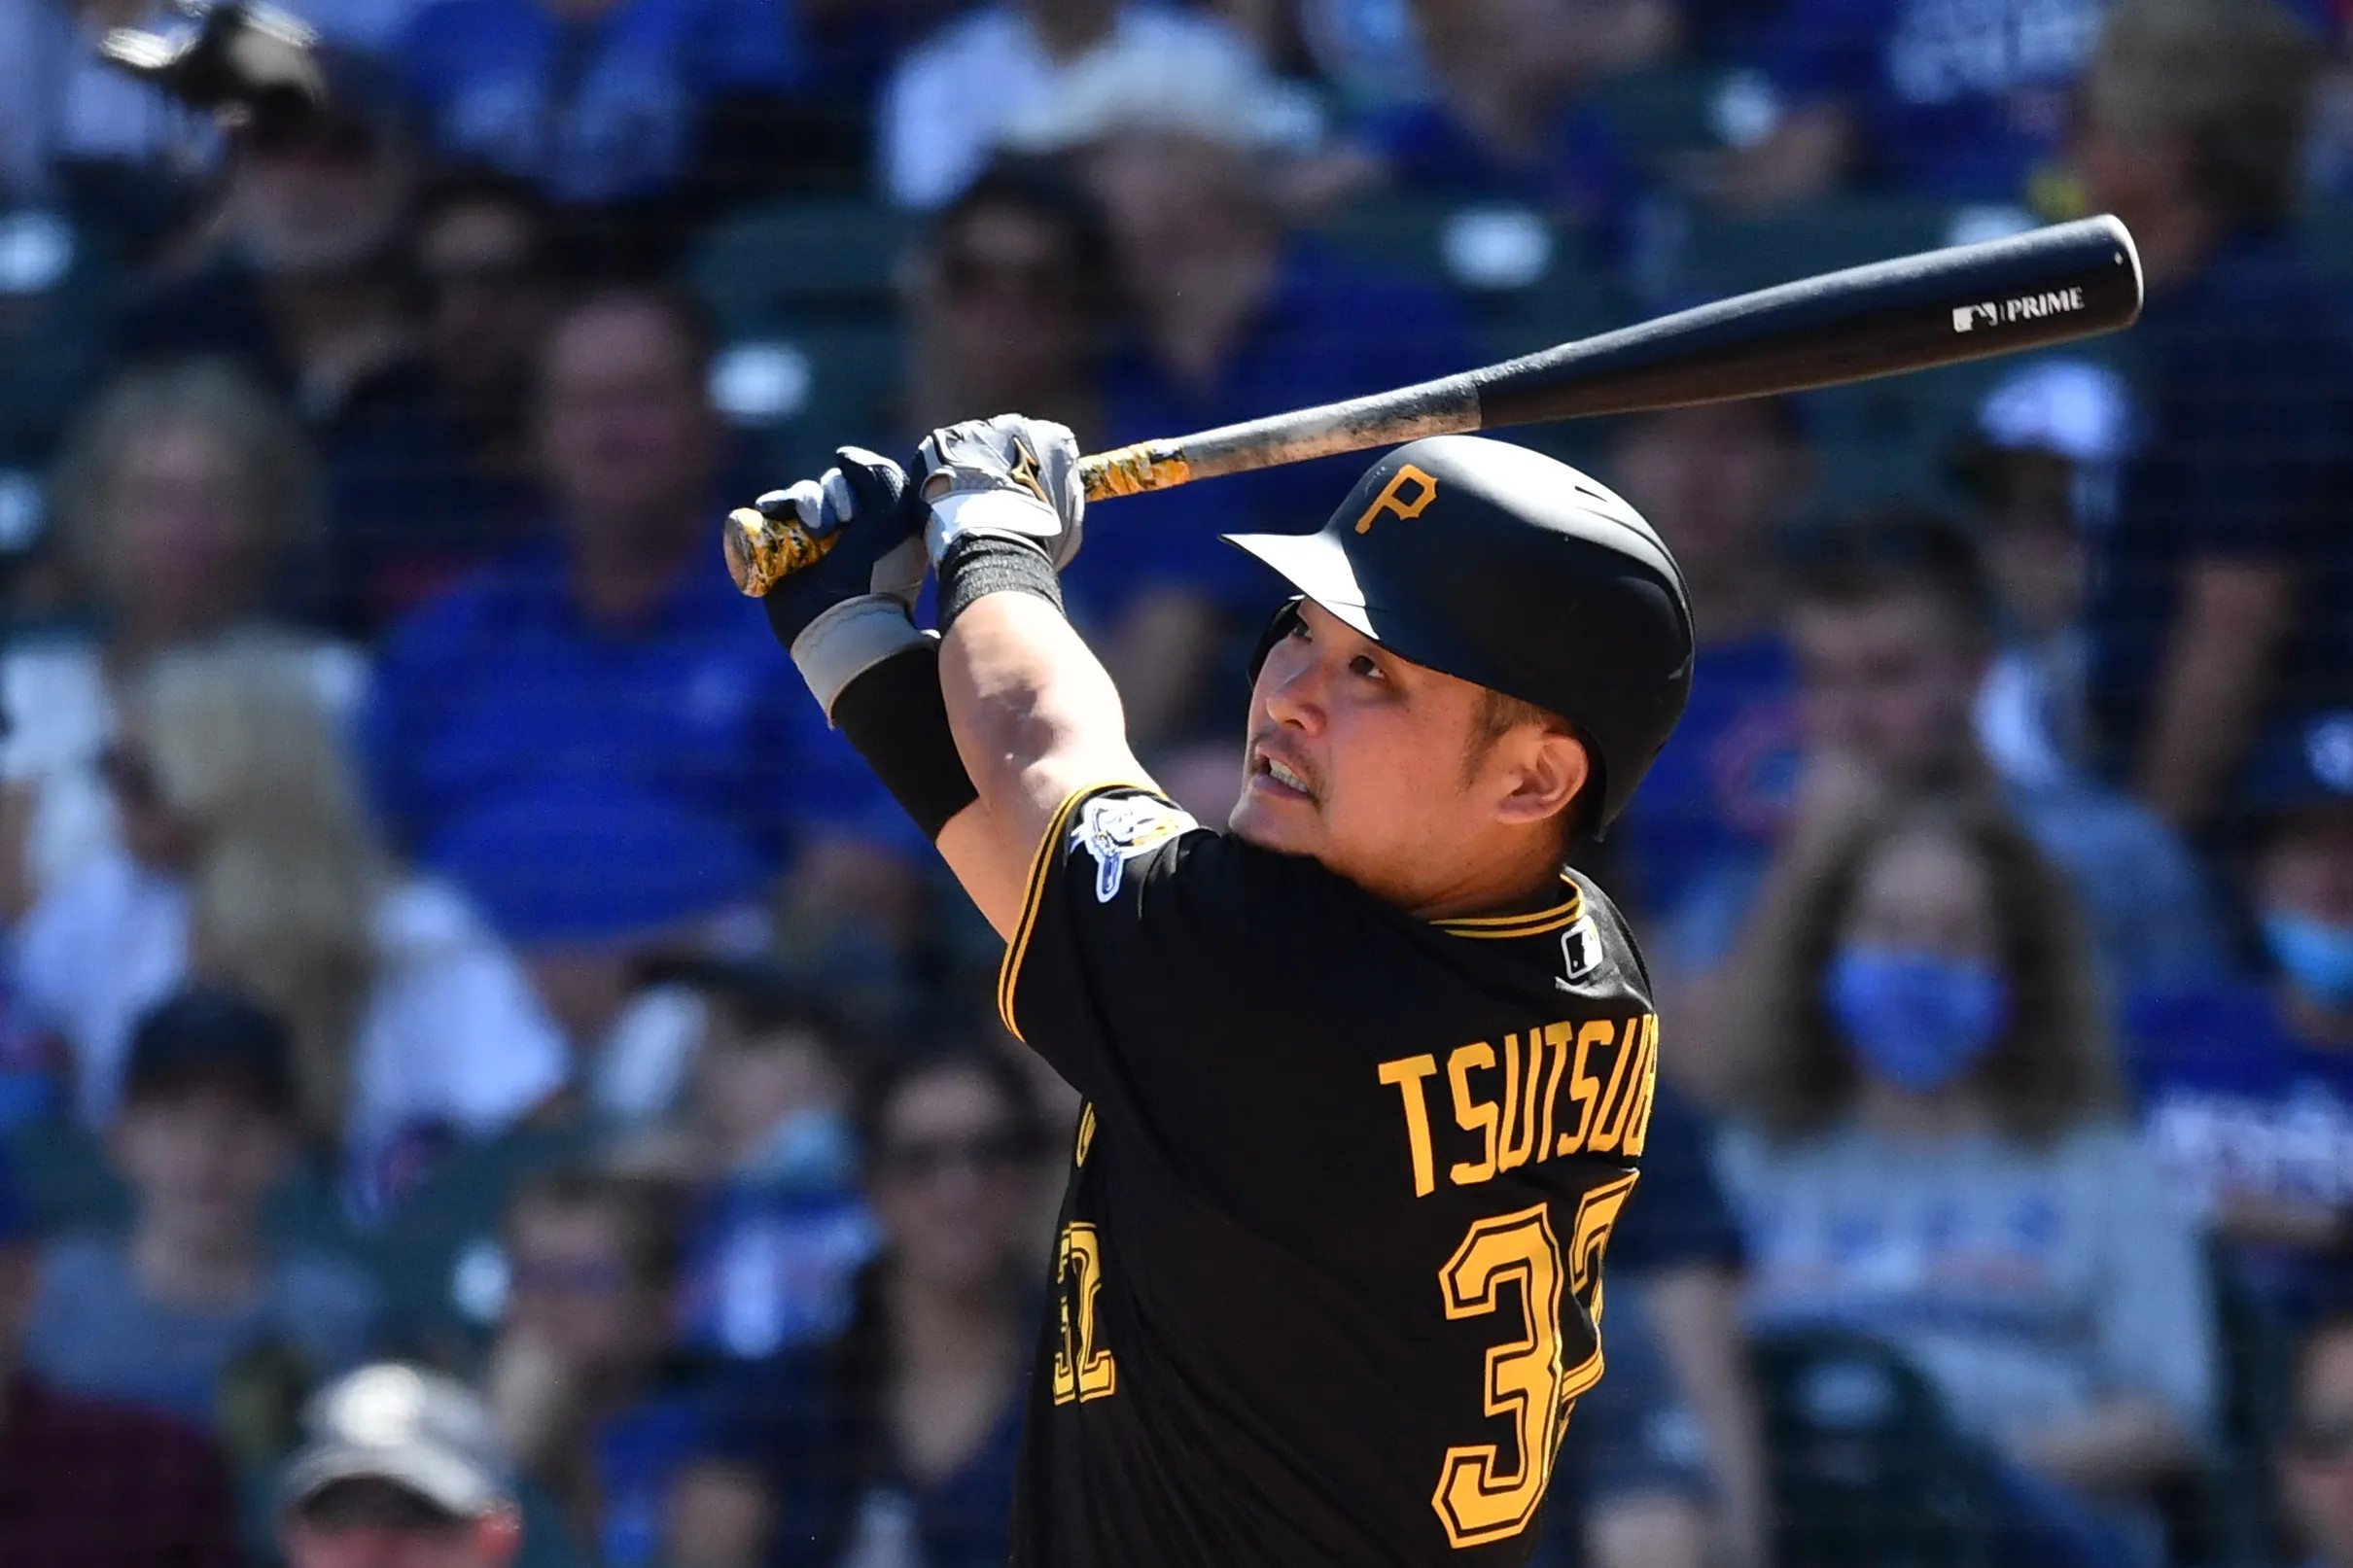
(1963, 302)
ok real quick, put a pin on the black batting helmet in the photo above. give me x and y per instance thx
(1507, 569)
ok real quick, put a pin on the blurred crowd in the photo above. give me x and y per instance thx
(486, 1076)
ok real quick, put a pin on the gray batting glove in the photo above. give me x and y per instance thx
(1006, 475)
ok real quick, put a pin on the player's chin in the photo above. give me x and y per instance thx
(1286, 826)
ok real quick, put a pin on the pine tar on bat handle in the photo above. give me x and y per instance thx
(2048, 286)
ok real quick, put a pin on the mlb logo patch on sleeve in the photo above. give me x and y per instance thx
(1117, 828)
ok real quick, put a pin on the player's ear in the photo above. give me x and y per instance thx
(1550, 768)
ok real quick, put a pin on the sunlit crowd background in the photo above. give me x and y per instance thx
(445, 949)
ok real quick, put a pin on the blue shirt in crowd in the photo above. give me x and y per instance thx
(1328, 329)
(2236, 1103)
(595, 107)
(771, 1267)
(637, 1455)
(2245, 374)
(500, 690)
(1726, 780)
(795, 1422)
(1956, 99)
(96, 1331)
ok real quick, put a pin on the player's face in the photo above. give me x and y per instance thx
(1370, 764)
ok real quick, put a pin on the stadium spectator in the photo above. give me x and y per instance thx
(896, 1442)
(2220, 599)
(1010, 302)
(2042, 466)
(298, 277)
(615, 657)
(1926, 97)
(1925, 1154)
(1237, 317)
(2248, 1083)
(87, 1484)
(1719, 483)
(1630, 1486)
(246, 862)
(418, 501)
(1893, 624)
(402, 1467)
(768, 1143)
(194, 1309)
(582, 1379)
(78, 132)
(1510, 122)
(1681, 1253)
(598, 102)
(948, 106)
(2314, 1460)
(589, 881)
(182, 498)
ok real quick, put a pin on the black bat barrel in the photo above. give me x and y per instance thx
(1965, 302)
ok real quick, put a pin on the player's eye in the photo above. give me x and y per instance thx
(1364, 664)
(1299, 632)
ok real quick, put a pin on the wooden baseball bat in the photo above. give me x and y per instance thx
(1963, 302)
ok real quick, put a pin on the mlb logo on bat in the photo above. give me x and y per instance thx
(2025, 307)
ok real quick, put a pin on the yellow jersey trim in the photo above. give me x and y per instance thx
(1535, 922)
(1032, 894)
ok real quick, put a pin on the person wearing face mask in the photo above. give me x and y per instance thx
(2249, 1082)
(1928, 1155)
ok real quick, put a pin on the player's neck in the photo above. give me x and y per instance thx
(1504, 887)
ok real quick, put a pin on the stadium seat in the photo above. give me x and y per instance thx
(1865, 1466)
(798, 261)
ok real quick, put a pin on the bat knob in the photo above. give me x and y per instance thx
(763, 550)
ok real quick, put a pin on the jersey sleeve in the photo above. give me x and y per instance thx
(1132, 955)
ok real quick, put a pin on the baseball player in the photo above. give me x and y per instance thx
(1368, 1074)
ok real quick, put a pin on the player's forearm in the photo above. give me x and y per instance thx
(1035, 716)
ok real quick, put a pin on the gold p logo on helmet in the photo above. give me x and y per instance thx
(1391, 502)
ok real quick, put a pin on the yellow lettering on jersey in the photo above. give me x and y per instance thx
(1408, 1073)
(1520, 1114)
(1584, 1088)
(1558, 1039)
(1394, 504)
(1609, 1125)
(1638, 1125)
(1472, 1115)
(1086, 1134)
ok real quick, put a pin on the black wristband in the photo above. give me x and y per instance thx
(976, 565)
(896, 716)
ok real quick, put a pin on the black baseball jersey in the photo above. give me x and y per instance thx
(1329, 1273)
